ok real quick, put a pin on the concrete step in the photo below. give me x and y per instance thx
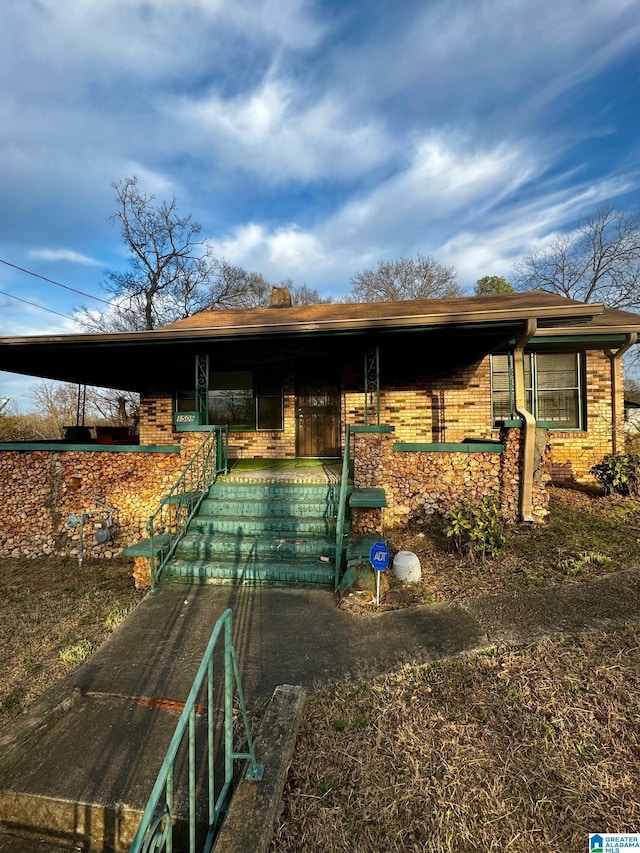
(303, 573)
(230, 546)
(265, 507)
(86, 781)
(275, 490)
(261, 524)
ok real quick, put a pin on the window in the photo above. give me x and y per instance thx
(269, 399)
(231, 398)
(242, 399)
(553, 385)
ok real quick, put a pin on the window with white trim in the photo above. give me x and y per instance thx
(554, 386)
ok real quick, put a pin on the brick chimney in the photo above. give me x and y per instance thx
(280, 298)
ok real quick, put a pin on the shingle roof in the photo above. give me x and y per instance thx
(424, 311)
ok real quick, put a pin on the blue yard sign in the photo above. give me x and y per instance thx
(379, 556)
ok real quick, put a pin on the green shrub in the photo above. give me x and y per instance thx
(116, 617)
(477, 528)
(619, 473)
(75, 654)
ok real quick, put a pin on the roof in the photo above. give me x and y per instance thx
(423, 312)
(479, 324)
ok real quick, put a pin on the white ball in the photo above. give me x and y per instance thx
(406, 567)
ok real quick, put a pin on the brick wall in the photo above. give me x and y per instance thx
(156, 419)
(438, 406)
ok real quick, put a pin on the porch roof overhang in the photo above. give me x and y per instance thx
(458, 330)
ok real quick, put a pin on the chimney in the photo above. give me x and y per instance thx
(280, 298)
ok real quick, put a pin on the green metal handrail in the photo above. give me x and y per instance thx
(167, 525)
(155, 832)
(342, 505)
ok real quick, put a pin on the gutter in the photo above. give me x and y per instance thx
(528, 423)
(418, 321)
(614, 359)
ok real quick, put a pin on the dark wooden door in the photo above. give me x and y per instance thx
(318, 410)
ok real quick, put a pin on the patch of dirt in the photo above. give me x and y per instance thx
(586, 535)
(52, 606)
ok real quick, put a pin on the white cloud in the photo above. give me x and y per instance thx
(458, 202)
(283, 131)
(493, 246)
(286, 252)
(68, 255)
(448, 182)
(156, 38)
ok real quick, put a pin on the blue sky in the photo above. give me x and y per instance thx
(310, 139)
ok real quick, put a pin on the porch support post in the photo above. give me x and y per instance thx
(528, 424)
(202, 386)
(372, 385)
(614, 358)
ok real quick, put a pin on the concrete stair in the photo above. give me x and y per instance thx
(261, 533)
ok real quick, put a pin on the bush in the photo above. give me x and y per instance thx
(619, 473)
(477, 528)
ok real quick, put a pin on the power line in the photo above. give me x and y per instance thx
(33, 305)
(51, 281)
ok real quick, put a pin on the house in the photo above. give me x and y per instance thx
(437, 399)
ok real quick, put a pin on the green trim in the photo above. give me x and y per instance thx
(380, 428)
(58, 446)
(147, 548)
(446, 447)
(517, 423)
(368, 498)
(574, 339)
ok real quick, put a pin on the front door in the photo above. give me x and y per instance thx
(318, 409)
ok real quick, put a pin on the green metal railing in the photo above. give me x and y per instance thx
(168, 524)
(156, 830)
(342, 505)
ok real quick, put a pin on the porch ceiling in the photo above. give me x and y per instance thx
(139, 365)
(444, 332)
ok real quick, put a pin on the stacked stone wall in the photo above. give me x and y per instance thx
(40, 489)
(421, 483)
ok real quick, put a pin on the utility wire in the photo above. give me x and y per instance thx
(34, 305)
(51, 281)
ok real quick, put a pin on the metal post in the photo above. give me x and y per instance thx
(372, 385)
(202, 387)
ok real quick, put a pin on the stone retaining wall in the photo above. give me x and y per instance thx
(420, 483)
(40, 489)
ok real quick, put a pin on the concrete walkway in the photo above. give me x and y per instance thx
(92, 741)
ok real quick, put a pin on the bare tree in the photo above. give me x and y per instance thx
(422, 277)
(302, 294)
(598, 262)
(168, 266)
(234, 287)
(60, 404)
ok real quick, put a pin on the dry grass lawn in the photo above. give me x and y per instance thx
(53, 614)
(587, 535)
(507, 750)
(514, 749)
